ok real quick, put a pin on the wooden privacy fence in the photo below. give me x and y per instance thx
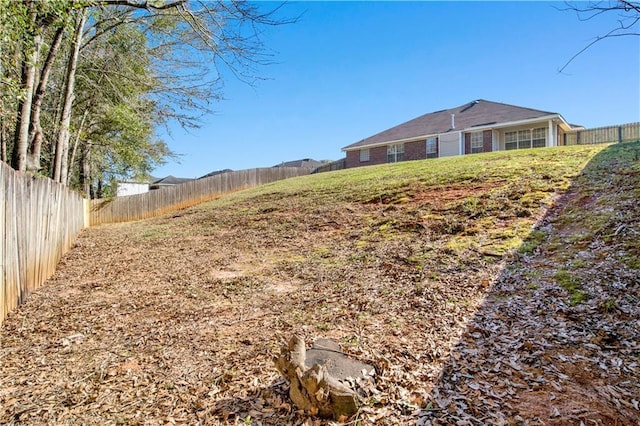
(334, 165)
(163, 200)
(39, 220)
(623, 133)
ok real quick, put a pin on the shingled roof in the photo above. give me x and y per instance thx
(309, 163)
(170, 180)
(473, 114)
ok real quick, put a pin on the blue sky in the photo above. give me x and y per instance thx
(348, 70)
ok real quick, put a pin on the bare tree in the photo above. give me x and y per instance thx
(627, 14)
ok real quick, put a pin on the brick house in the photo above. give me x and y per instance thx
(478, 126)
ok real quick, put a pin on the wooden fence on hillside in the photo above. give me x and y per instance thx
(334, 165)
(39, 220)
(622, 133)
(163, 200)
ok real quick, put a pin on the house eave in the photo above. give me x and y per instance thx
(558, 117)
(561, 121)
(391, 142)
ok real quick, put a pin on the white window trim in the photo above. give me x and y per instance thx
(476, 144)
(396, 152)
(364, 155)
(431, 147)
(513, 143)
(433, 143)
(542, 136)
(525, 138)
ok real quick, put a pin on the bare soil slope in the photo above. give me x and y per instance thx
(428, 270)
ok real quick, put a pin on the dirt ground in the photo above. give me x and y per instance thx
(176, 320)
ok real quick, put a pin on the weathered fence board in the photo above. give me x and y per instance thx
(39, 220)
(623, 133)
(163, 200)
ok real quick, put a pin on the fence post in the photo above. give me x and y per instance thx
(619, 134)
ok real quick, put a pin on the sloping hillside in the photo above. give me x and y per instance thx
(431, 271)
(557, 340)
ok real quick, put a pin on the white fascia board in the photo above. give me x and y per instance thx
(375, 145)
(563, 123)
(515, 123)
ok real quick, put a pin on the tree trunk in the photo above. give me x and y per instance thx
(318, 378)
(75, 145)
(98, 191)
(21, 141)
(36, 135)
(62, 144)
(85, 170)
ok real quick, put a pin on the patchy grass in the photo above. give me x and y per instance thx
(572, 285)
(600, 223)
(559, 314)
(533, 241)
(182, 314)
(526, 175)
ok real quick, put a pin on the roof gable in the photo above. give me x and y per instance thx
(215, 173)
(305, 162)
(171, 180)
(473, 114)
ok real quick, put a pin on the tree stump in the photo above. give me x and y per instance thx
(318, 377)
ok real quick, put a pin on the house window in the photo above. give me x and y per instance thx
(524, 139)
(364, 155)
(539, 138)
(432, 148)
(511, 140)
(395, 153)
(476, 143)
(529, 138)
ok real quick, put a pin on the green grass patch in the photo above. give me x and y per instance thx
(633, 262)
(572, 285)
(533, 241)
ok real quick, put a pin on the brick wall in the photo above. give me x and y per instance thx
(353, 159)
(487, 141)
(377, 155)
(415, 150)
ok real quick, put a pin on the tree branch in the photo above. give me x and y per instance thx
(629, 18)
(144, 4)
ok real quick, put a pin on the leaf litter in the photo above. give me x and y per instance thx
(175, 320)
